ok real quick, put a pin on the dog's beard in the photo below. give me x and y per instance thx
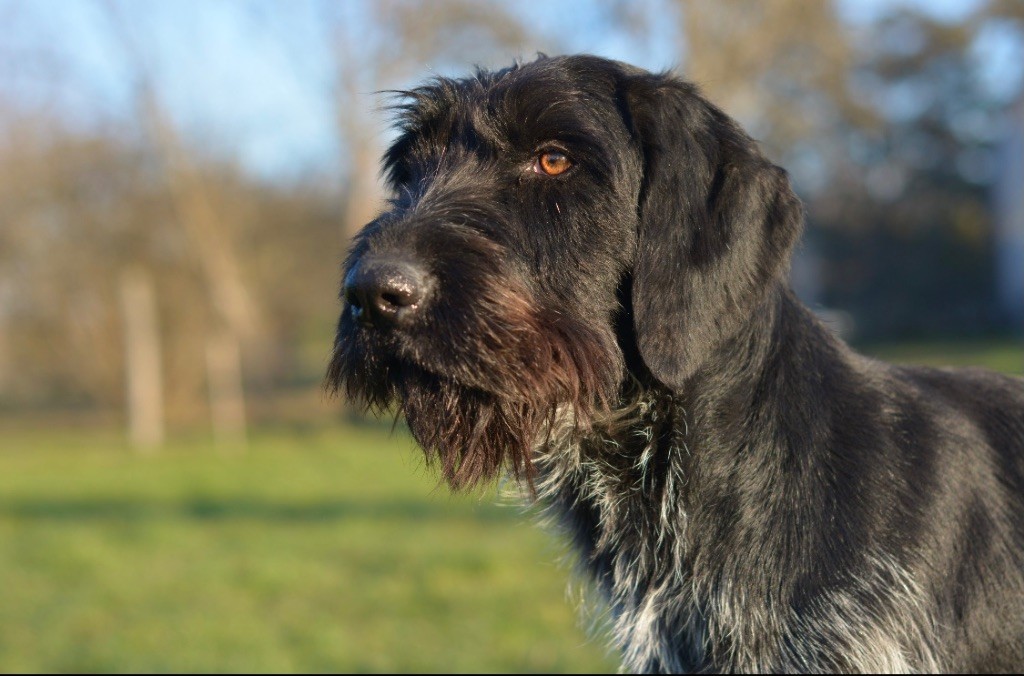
(476, 426)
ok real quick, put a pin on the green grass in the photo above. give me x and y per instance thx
(321, 549)
(329, 551)
(1006, 355)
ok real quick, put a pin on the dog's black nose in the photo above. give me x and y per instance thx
(385, 293)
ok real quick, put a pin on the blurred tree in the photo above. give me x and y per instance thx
(204, 219)
(907, 222)
(67, 203)
(142, 360)
(79, 208)
(779, 66)
(379, 45)
(1012, 10)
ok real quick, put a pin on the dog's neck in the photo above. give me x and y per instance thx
(648, 466)
(782, 347)
(652, 496)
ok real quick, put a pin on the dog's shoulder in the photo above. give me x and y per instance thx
(980, 401)
(981, 392)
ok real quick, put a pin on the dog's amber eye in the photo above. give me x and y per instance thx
(552, 163)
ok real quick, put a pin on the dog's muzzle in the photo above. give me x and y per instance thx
(386, 293)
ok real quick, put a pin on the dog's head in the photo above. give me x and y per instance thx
(556, 229)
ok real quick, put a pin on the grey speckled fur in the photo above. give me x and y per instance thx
(661, 618)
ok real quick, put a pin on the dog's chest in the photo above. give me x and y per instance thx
(624, 506)
(621, 503)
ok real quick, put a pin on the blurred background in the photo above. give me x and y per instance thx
(178, 182)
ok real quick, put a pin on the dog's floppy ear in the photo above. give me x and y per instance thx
(717, 224)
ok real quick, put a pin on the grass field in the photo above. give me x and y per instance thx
(330, 551)
(1000, 355)
(320, 549)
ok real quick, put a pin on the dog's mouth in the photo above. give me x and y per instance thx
(470, 433)
(479, 405)
(372, 367)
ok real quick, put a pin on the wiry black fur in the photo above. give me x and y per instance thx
(748, 494)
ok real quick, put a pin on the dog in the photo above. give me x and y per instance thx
(580, 282)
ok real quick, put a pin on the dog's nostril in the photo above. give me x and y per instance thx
(392, 299)
(352, 298)
(385, 293)
(399, 293)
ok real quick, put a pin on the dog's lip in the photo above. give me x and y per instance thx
(398, 351)
(404, 362)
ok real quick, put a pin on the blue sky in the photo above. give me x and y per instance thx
(249, 77)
